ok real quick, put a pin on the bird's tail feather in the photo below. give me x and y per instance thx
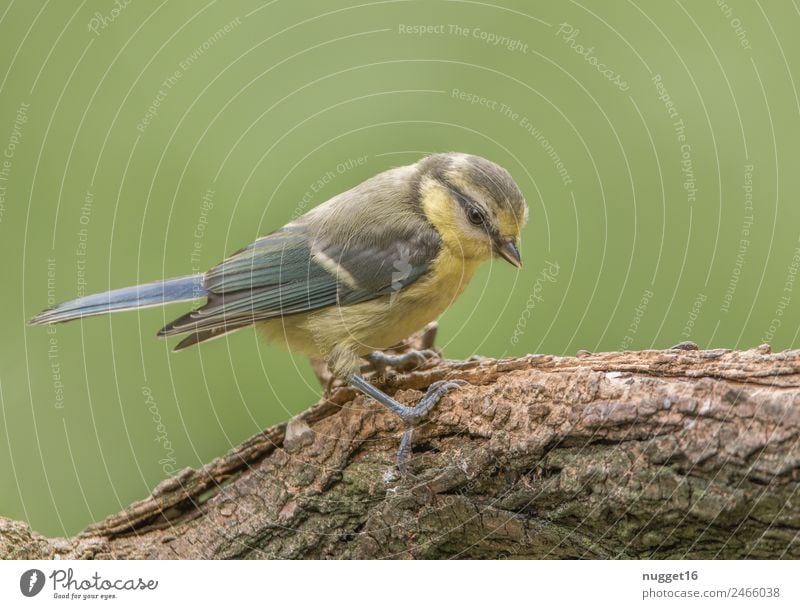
(136, 297)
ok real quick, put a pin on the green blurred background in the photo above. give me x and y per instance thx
(149, 139)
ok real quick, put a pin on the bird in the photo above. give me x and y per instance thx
(351, 277)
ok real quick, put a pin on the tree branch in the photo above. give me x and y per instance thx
(652, 454)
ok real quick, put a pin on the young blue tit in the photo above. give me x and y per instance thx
(354, 275)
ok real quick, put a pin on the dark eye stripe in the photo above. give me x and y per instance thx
(470, 207)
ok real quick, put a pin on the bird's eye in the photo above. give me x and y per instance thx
(475, 216)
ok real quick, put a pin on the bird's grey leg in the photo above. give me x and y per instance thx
(410, 415)
(404, 452)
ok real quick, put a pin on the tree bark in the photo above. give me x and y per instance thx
(653, 454)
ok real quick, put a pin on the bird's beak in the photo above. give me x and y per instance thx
(508, 250)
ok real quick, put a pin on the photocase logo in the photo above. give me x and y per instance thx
(31, 582)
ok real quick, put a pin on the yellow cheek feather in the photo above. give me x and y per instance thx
(342, 334)
(446, 217)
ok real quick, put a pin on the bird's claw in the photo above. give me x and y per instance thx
(403, 361)
(436, 391)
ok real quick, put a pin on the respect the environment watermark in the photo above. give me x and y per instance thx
(172, 80)
(524, 122)
(743, 246)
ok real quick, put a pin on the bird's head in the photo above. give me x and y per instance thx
(475, 205)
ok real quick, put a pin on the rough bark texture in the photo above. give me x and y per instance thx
(653, 454)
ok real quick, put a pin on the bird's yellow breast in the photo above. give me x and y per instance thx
(341, 334)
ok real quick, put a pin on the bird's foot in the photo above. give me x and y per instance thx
(412, 414)
(435, 392)
(380, 361)
(409, 414)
